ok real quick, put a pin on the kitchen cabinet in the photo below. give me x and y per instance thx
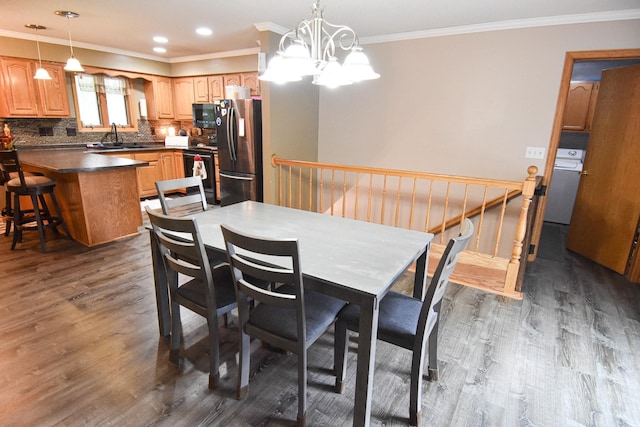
(183, 90)
(251, 81)
(172, 165)
(580, 107)
(163, 164)
(232, 80)
(159, 95)
(208, 88)
(26, 97)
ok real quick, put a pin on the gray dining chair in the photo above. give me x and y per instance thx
(209, 292)
(193, 201)
(287, 317)
(407, 322)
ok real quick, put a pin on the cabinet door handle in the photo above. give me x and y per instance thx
(584, 173)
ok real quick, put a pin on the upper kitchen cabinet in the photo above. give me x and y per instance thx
(251, 81)
(581, 104)
(208, 88)
(159, 95)
(183, 89)
(26, 97)
(232, 80)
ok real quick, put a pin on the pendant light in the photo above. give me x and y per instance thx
(73, 64)
(41, 73)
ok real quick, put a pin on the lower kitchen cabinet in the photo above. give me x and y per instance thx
(163, 165)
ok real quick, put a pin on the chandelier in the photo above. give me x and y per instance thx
(309, 50)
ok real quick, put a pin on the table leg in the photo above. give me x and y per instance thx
(420, 278)
(366, 361)
(162, 287)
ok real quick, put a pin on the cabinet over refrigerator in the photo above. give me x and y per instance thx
(239, 137)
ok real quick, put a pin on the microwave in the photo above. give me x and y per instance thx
(204, 116)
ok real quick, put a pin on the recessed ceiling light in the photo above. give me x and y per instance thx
(204, 31)
(159, 49)
(160, 39)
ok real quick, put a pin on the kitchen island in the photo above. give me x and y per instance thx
(97, 194)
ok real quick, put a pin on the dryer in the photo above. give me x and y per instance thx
(562, 191)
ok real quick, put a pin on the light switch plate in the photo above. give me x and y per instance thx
(534, 153)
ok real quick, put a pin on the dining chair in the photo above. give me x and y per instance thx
(287, 317)
(209, 292)
(193, 202)
(407, 322)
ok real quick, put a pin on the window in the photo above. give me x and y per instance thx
(103, 100)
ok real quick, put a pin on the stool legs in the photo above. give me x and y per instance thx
(8, 213)
(41, 214)
(17, 217)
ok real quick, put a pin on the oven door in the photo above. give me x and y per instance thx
(209, 183)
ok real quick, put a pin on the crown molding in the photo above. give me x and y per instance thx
(584, 18)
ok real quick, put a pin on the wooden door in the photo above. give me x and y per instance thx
(607, 209)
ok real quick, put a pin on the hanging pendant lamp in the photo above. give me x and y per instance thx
(73, 65)
(41, 73)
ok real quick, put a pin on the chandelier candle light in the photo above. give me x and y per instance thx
(73, 64)
(41, 73)
(309, 50)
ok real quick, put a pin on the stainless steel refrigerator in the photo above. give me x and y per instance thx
(239, 137)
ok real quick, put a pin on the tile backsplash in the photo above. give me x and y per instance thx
(51, 132)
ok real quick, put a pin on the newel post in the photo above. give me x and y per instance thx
(528, 189)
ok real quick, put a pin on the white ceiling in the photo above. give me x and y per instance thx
(128, 26)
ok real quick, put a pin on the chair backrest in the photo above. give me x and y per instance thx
(9, 163)
(269, 260)
(193, 202)
(433, 300)
(182, 250)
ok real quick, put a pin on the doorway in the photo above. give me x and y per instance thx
(571, 59)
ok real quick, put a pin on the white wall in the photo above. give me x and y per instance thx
(467, 104)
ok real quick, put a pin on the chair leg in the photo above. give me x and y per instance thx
(433, 354)
(302, 386)
(340, 355)
(214, 352)
(243, 365)
(176, 331)
(415, 393)
(39, 223)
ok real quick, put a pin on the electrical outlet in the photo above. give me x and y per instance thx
(534, 153)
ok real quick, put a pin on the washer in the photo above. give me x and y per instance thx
(564, 185)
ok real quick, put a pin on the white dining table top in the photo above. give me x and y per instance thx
(357, 255)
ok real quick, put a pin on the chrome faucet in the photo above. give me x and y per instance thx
(114, 132)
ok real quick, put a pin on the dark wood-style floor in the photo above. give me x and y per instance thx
(80, 346)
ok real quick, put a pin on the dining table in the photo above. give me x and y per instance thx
(354, 260)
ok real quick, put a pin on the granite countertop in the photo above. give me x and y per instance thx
(73, 160)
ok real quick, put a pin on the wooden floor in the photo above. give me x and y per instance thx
(80, 346)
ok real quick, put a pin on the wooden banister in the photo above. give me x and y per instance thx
(401, 203)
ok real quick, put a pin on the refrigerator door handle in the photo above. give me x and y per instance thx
(231, 135)
(224, 175)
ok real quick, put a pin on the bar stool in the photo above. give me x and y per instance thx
(7, 211)
(36, 187)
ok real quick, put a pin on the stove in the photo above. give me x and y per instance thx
(207, 154)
